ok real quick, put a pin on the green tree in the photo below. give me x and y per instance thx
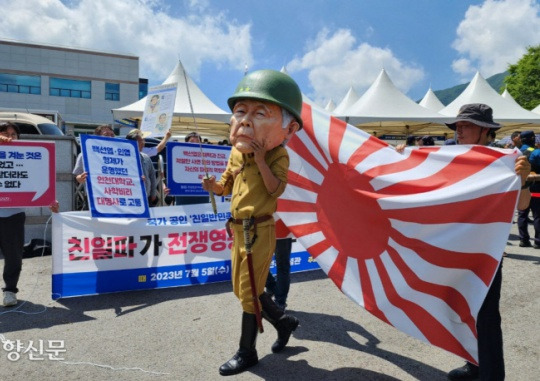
(523, 80)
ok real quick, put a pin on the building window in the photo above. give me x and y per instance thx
(61, 87)
(112, 91)
(24, 84)
(143, 87)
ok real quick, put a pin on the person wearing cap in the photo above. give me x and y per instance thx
(528, 149)
(149, 172)
(266, 112)
(527, 139)
(472, 126)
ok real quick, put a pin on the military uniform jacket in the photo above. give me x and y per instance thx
(242, 179)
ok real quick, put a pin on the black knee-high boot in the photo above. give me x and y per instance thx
(246, 356)
(283, 323)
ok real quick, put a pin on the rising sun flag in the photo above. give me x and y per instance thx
(414, 238)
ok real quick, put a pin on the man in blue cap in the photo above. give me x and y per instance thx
(528, 140)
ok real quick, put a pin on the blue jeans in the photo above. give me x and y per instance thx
(279, 286)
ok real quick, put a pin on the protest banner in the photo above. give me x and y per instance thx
(27, 174)
(175, 246)
(115, 185)
(159, 109)
(185, 167)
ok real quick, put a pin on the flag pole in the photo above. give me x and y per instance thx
(207, 176)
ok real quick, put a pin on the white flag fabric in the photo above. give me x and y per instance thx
(414, 238)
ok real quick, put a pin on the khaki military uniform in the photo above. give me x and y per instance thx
(250, 198)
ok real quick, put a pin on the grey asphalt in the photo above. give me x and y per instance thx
(187, 333)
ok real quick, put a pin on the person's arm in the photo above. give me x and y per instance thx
(54, 206)
(153, 180)
(163, 141)
(400, 148)
(271, 182)
(82, 177)
(210, 184)
(523, 169)
(78, 170)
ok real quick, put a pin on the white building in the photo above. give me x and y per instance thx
(82, 85)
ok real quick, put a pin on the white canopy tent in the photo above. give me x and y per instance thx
(330, 106)
(508, 96)
(431, 102)
(384, 109)
(506, 112)
(536, 110)
(350, 98)
(212, 122)
(305, 98)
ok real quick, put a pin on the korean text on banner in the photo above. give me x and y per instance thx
(27, 174)
(115, 185)
(185, 167)
(175, 246)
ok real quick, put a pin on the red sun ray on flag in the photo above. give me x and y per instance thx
(414, 238)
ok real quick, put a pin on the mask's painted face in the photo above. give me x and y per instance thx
(254, 120)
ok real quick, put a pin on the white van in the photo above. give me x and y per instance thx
(30, 123)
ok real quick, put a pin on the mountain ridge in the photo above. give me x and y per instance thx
(446, 96)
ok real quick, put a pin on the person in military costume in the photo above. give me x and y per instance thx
(266, 112)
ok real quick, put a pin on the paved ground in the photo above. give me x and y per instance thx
(187, 333)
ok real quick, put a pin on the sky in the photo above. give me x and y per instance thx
(326, 46)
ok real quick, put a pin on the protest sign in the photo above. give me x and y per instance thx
(185, 167)
(27, 174)
(159, 109)
(115, 185)
(175, 246)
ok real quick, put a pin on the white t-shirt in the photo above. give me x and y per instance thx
(150, 151)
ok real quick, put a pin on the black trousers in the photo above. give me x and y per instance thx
(523, 224)
(12, 245)
(279, 286)
(490, 340)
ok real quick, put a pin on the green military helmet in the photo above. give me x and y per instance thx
(271, 86)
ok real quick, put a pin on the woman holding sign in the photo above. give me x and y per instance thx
(11, 232)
